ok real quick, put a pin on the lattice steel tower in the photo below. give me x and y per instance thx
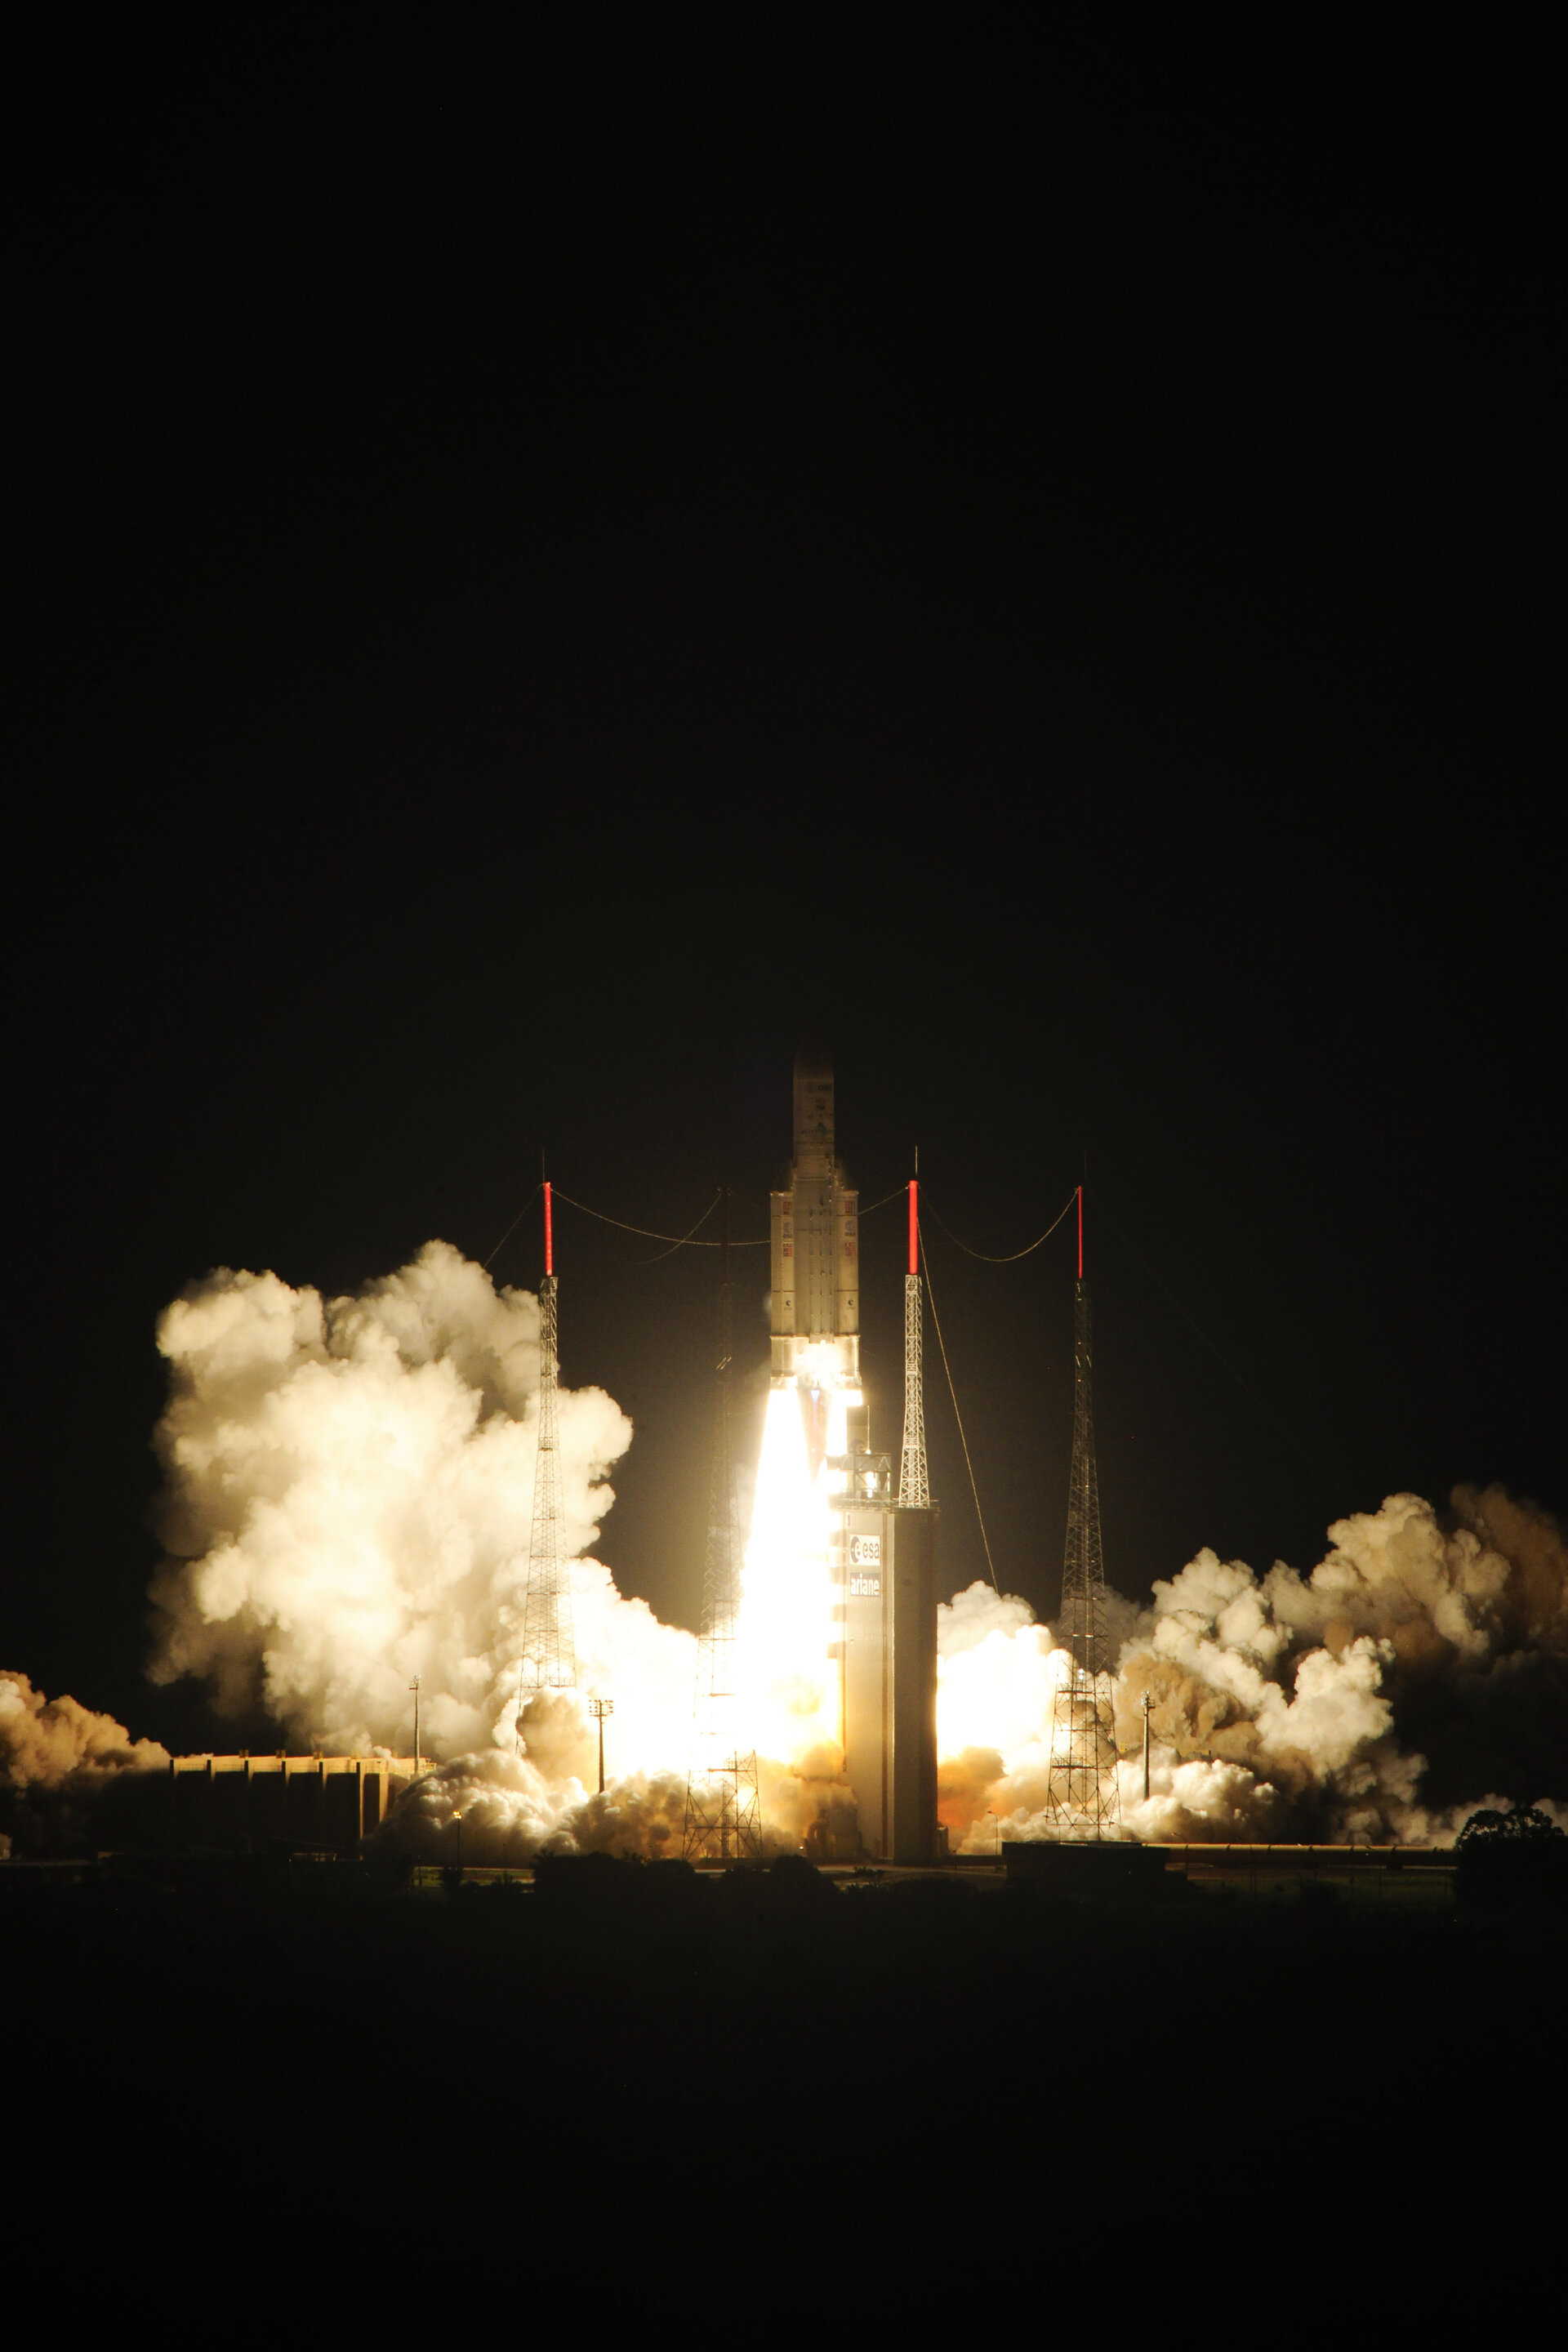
(1082, 1793)
(723, 1814)
(549, 1645)
(915, 1484)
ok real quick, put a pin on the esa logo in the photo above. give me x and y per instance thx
(866, 1552)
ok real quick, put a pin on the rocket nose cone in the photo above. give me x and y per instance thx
(813, 1112)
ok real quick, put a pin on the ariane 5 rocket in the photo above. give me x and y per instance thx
(815, 1250)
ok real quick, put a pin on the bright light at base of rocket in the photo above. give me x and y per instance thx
(789, 1689)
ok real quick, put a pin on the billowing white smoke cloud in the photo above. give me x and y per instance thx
(1277, 1702)
(349, 1489)
(60, 1762)
(46, 1742)
(348, 1498)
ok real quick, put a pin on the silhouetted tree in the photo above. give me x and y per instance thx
(1519, 1822)
(1520, 1856)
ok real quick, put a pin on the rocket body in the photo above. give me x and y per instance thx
(815, 1250)
(827, 1528)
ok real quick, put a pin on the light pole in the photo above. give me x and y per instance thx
(414, 1687)
(599, 1709)
(1145, 1747)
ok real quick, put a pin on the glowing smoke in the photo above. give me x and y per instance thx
(349, 1487)
(347, 1504)
(349, 1492)
(1279, 1704)
(61, 1764)
(45, 1743)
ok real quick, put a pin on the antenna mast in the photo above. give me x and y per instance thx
(1082, 1793)
(549, 1644)
(914, 1484)
(724, 1813)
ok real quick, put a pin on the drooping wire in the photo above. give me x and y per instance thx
(659, 1258)
(676, 1241)
(1013, 1255)
(680, 1241)
(953, 1393)
(514, 1226)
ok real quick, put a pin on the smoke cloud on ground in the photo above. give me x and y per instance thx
(60, 1765)
(1288, 1706)
(347, 1504)
(48, 1742)
(348, 1496)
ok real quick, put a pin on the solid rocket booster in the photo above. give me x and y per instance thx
(816, 1248)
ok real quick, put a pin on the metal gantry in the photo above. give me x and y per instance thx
(599, 1709)
(1081, 1791)
(549, 1641)
(724, 1812)
(914, 1483)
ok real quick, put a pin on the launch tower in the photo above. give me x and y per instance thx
(885, 1567)
(549, 1645)
(914, 1483)
(1082, 1793)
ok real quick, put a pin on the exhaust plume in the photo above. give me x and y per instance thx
(348, 1492)
(62, 1769)
(1288, 1706)
(48, 1742)
(347, 1500)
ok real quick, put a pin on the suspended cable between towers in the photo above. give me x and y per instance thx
(1011, 1257)
(952, 1392)
(678, 1241)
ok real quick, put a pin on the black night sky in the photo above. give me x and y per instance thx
(561, 555)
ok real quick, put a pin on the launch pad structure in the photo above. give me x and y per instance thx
(237, 1802)
(549, 1660)
(1082, 1794)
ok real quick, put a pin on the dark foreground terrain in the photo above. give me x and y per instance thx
(628, 2085)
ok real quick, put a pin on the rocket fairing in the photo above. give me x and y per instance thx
(816, 1249)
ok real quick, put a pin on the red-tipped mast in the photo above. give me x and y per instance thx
(914, 1480)
(1079, 1231)
(550, 1238)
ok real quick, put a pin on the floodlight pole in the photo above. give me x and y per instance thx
(1145, 1747)
(599, 1709)
(414, 1687)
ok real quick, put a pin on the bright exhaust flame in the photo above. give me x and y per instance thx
(789, 1688)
